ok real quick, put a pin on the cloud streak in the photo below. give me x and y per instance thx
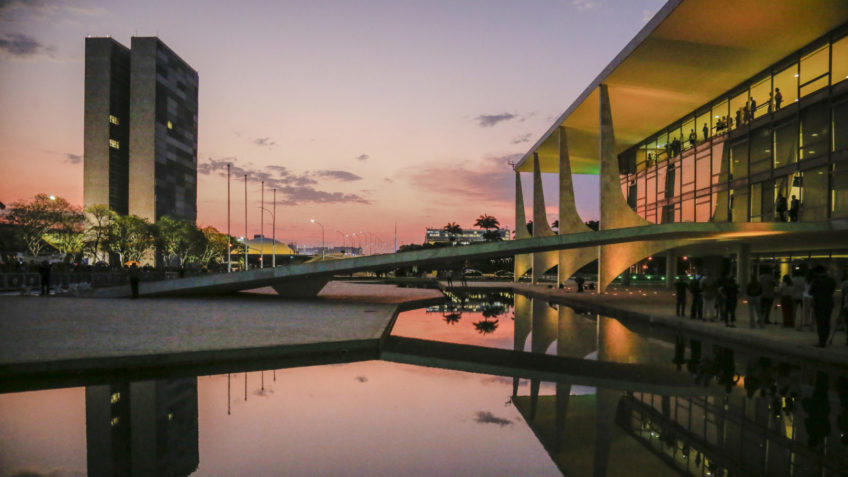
(486, 417)
(362, 157)
(521, 138)
(489, 120)
(293, 188)
(264, 142)
(18, 45)
(343, 176)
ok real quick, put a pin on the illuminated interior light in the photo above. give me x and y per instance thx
(796, 75)
(170, 125)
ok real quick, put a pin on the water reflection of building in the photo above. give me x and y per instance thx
(142, 428)
(783, 427)
(497, 302)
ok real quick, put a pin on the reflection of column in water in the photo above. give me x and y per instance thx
(544, 322)
(521, 328)
(142, 428)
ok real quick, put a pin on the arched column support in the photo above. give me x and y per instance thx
(542, 261)
(569, 220)
(522, 263)
(615, 211)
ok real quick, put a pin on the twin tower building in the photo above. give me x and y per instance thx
(140, 147)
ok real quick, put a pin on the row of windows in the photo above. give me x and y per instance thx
(795, 77)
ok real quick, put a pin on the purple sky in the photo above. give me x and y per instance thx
(385, 112)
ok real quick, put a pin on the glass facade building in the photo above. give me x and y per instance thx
(742, 157)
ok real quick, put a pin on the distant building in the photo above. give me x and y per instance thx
(468, 236)
(140, 129)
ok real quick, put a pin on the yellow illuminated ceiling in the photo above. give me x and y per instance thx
(688, 54)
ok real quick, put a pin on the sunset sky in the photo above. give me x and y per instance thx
(363, 113)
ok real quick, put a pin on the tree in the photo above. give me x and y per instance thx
(453, 229)
(215, 245)
(99, 222)
(179, 239)
(33, 220)
(593, 224)
(130, 237)
(487, 222)
(66, 235)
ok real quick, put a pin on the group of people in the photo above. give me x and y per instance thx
(787, 210)
(805, 301)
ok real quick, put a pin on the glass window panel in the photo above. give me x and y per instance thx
(676, 178)
(786, 144)
(813, 66)
(840, 126)
(702, 209)
(786, 81)
(839, 194)
(719, 116)
(739, 205)
(737, 109)
(761, 144)
(688, 210)
(767, 201)
(689, 130)
(662, 141)
(814, 195)
(702, 172)
(839, 60)
(756, 202)
(688, 166)
(814, 86)
(814, 126)
(700, 123)
(761, 95)
(640, 191)
(652, 189)
(739, 160)
(661, 181)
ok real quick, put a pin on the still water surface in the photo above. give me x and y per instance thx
(385, 418)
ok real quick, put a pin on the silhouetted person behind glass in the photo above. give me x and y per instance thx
(706, 131)
(778, 98)
(134, 278)
(753, 107)
(781, 208)
(794, 208)
(822, 287)
(693, 138)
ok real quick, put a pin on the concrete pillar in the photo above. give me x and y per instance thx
(542, 261)
(522, 263)
(615, 212)
(569, 220)
(743, 265)
(670, 268)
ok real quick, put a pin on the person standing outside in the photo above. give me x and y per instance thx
(709, 290)
(754, 291)
(697, 310)
(769, 284)
(730, 292)
(787, 303)
(799, 286)
(822, 287)
(680, 287)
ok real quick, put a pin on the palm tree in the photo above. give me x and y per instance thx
(487, 222)
(453, 229)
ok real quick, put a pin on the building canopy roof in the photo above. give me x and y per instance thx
(691, 52)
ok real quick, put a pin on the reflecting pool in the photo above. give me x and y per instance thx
(486, 383)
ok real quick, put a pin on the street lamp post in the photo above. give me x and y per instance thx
(229, 245)
(246, 263)
(273, 231)
(262, 227)
(322, 236)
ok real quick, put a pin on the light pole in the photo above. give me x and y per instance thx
(322, 236)
(273, 232)
(246, 263)
(262, 227)
(229, 245)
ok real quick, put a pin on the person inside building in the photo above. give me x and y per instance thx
(754, 291)
(778, 98)
(706, 131)
(730, 293)
(693, 138)
(794, 209)
(680, 287)
(781, 207)
(769, 285)
(787, 305)
(822, 287)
